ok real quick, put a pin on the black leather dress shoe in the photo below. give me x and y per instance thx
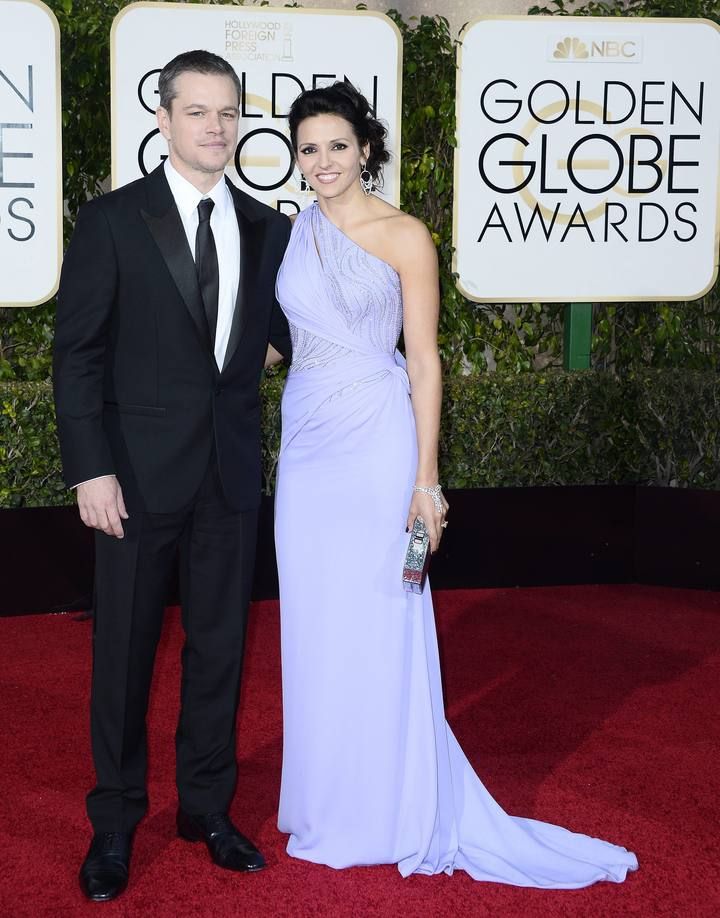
(105, 870)
(228, 848)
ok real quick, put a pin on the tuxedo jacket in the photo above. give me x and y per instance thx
(137, 391)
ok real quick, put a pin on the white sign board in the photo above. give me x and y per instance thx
(586, 168)
(277, 53)
(31, 198)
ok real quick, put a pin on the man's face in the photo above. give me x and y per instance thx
(201, 127)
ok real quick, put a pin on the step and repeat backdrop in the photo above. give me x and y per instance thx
(587, 152)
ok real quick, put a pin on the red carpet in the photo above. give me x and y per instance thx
(593, 707)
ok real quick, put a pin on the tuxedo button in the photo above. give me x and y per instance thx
(218, 390)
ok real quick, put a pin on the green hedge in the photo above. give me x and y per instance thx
(657, 427)
(653, 428)
(29, 457)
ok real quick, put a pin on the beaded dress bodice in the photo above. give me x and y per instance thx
(362, 290)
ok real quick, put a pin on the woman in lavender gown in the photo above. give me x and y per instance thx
(372, 773)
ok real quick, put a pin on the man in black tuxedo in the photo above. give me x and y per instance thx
(166, 312)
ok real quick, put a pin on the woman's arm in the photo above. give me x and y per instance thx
(416, 260)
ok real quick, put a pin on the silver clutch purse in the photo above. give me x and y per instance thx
(417, 558)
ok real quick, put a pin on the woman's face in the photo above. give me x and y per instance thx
(329, 155)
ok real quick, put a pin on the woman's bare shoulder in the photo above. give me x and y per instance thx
(405, 237)
(391, 221)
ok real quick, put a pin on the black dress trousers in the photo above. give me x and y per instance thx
(216, 547)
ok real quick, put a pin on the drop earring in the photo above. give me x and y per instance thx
(366, 179)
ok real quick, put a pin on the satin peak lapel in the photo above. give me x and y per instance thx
(169, 235)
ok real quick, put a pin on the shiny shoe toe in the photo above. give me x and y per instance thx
(228, 848)
(106, 868)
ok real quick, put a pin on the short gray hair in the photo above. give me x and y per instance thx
(193, 62)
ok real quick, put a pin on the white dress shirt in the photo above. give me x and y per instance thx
(224, 225)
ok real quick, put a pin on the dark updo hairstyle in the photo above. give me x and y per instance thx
(343, 100)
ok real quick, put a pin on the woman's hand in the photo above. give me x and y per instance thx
(423, 505)
(272, 357)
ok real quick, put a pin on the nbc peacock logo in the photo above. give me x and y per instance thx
(594, 49)
(571, 49)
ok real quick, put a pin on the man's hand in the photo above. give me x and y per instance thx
(102, 506)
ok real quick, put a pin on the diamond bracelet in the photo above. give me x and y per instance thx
(436, 493)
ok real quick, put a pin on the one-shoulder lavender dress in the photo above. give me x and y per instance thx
(372, 773)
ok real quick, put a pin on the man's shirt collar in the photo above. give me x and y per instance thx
(187, 197)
